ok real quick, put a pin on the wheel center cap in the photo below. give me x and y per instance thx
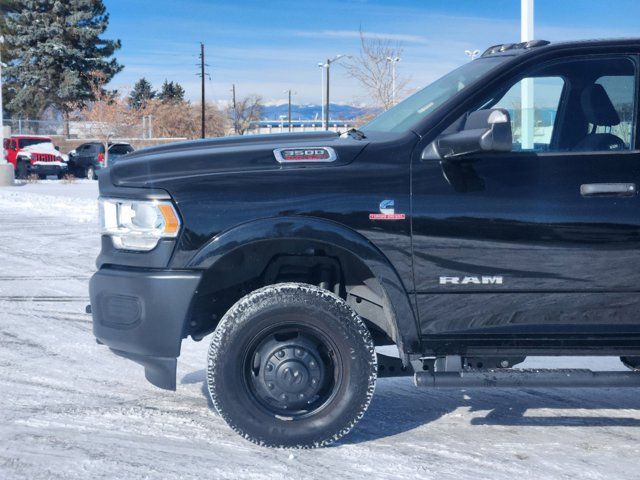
(292, 376)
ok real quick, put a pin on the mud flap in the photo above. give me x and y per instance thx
(159, 371)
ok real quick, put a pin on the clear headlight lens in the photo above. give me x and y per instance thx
(138, 224)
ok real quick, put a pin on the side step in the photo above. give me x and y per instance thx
(516, 378)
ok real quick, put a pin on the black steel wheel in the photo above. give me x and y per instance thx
(291, 365)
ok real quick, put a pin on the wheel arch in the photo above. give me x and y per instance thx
(255, 241)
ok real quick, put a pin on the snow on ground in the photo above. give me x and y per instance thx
(70, 409)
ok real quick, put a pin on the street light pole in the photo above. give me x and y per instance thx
(472, 54)
(327, 67)
(393, 61)
(321, 65)
(326, 97)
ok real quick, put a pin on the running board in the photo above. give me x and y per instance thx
(533, 378)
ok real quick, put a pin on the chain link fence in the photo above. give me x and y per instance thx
(77, 129)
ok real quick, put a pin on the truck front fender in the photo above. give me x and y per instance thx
(403, 319)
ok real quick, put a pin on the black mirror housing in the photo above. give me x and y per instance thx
(482, 131)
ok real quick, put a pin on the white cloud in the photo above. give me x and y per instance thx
(396, 37)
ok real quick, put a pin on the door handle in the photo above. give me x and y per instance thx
(608, 189)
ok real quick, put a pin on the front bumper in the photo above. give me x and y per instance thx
(47, 168)
(141, 315)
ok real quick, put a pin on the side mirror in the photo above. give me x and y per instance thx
(482, 131)
(57, 147)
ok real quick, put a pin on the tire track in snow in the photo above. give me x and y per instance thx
(42, 298)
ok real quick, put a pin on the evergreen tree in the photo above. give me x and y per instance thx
(142, 92)
(57, 53)
(6, 7)
(171, 92)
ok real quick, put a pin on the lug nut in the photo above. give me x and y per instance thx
(284, 397)
(269, 367)
(314, 381)
(280, 353)
(270, 386)
(312, 364)
(298, 352)
(301, 395)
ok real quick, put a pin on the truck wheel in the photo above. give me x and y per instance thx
(22, 171)
(91, 173)
(291, 365)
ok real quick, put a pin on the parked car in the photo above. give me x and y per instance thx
(490, 216)
(88, 158)
(31, 154)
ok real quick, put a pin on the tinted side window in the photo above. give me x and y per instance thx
(544, 101)
(620, 90)
(121, 149)
(582, 104)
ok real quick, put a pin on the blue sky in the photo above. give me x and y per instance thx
(265, 47)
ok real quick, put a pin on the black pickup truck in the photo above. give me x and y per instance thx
(491, 216)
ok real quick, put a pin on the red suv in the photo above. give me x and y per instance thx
(34, 154)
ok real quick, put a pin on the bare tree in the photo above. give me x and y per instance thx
(247, 110)
(182, 119)
(373, 69)
(108, 115)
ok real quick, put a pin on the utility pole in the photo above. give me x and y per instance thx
(527, 94)
(289, 115)
(203, 126)
(235, 109)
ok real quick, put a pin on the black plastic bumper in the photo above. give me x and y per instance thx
(44, 169)
(141, 315)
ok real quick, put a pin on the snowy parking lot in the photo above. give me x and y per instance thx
(70, 409)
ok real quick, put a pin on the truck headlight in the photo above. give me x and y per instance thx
(138, 224)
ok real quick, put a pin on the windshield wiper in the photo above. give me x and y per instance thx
(355, 133)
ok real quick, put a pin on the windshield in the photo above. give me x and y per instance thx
(407, 113)
(27, 142)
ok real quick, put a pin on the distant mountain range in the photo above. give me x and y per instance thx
(314, 112)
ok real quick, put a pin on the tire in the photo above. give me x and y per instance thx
(299, 341)
(91, 173)
(42, 177)
(22, 170)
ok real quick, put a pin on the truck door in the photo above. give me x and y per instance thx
(544, 241)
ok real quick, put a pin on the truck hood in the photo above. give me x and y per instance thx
(45, 148)
(158, 165)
